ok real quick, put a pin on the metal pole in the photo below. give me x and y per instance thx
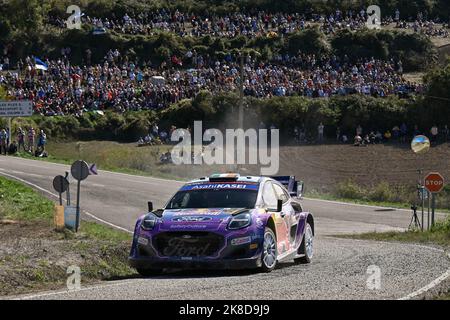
(77, 223)
(68, 190)
(422, 193)
(241, 94)
(433, 207)
(60, 193)
(9, 132)
(428, 214)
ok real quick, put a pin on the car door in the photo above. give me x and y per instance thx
(270, 199)
(288, 213)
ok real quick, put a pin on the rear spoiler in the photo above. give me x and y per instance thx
(294, 187)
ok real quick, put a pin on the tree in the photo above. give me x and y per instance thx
(436, 104)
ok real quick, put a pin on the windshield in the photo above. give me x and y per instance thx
(213, 198)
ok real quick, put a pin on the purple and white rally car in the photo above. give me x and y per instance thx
(225, 221)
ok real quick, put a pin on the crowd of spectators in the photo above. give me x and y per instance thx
(250, 24)
(120, 84)
(27, 140)
(360, 136)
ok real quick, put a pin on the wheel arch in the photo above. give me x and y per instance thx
(271, 224)
(310, 220)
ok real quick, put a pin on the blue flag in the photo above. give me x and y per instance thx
(39, 64)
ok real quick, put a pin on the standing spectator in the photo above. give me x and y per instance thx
(155, 130)
(445, 133)
(338, 134)
(31, 136)
(434, 133)
(3, 143)
(359, 130)
(7, 137)
(42, 140)
(403, 132)
(21, 140)
(395, 132)
(320, 132)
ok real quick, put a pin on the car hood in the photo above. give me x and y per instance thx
(197, 219)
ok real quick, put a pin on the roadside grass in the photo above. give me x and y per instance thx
(381, 194)
(35, 257)
(19, 202)
(438, 235)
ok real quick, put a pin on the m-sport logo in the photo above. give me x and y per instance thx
(191, 219)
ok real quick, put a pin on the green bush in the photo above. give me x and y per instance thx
(416, 51)
(349, 190)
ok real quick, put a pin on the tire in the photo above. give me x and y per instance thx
(306, 249)
(149, 272)
(270, 253)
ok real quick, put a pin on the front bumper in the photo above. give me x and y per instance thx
(216, 264)
(242, 251)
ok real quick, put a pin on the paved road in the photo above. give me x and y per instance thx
(338, 271)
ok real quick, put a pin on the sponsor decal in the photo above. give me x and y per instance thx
(188, 226)
(191, 219)
(182, 248)
(234, 185)
(143, 241)
(198, 211)
(239, 241)
(259, 223)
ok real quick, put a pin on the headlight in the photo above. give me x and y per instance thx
(149, 222)
(240, 221)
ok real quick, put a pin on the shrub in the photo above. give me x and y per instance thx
(349, 190)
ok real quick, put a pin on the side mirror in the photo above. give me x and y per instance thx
(279, 205)
(150, 206)
(300, 189)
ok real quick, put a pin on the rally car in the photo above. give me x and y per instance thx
(225, 221)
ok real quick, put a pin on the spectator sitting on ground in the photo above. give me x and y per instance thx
(165, 158)
(40, 152)
(387, 135)
(358, 141)
(12, 149)
(378, 137)
(372, 137)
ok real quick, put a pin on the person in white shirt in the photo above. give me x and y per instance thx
(320, 129)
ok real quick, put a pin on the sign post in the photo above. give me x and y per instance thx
(80, 171)
(60, 184)
(434, 183)
(15, 108)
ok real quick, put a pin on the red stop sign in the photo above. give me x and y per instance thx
(434, 182)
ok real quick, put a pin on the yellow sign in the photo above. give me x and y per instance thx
(59, 217)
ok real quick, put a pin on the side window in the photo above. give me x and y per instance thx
(268, 195)
(280, 193)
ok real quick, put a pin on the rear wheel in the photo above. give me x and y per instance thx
(269, 254)
(306, 249)
(149, 272)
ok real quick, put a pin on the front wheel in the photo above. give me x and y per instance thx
(269, 254)
(306, 249)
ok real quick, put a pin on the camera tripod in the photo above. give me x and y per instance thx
(415, 223)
